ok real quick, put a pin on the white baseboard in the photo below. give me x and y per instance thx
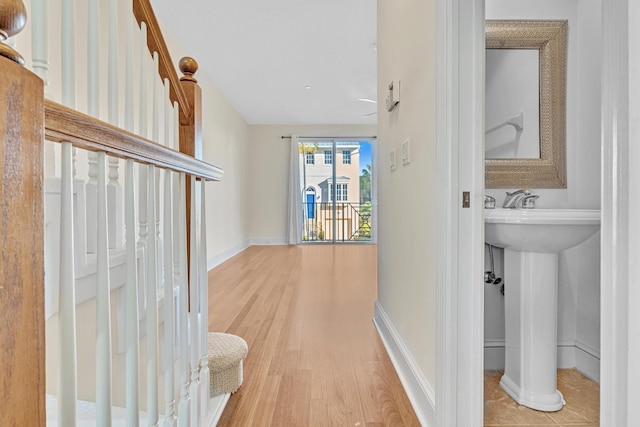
(418, 389)
(493, 355)
(269, 241)
(588, 361)
(571, 354)
(566, 354)
(215, 261)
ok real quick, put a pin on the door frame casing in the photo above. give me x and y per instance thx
(460, 235)
(620, 231)
(459, 395)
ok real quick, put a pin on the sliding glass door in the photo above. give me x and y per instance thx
(336, 177)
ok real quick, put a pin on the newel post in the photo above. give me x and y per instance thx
(191, 130)
(22, 353)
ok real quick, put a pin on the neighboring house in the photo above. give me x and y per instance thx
(319, 190)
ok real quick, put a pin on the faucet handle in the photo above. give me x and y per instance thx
(489, 202)
(529, 202)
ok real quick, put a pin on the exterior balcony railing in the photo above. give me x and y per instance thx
(352, 222)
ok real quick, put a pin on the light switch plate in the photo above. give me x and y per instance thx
(406, 153)
(392, 159)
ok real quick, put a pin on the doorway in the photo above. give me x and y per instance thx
(336, 176)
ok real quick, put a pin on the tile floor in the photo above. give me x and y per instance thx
(581, 394)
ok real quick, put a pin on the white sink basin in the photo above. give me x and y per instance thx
(539, 230)
(532, 239)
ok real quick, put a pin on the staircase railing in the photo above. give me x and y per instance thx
(162, 225)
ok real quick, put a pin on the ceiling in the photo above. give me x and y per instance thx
(283, 61)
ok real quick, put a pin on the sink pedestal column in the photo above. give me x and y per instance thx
(531, 318)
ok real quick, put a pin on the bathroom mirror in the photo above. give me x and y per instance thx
(526, 66)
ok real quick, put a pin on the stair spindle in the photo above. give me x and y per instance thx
(103, 304)
(131, 317)
(67, 357)
(143, 224)
(93, 109)
(204, 306)
(114, 191)
(194, 318)
(169, 318)
(39, 40)
(152, 303)
(185, 402)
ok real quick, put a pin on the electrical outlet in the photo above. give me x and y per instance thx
(392, 159)
(406, 153)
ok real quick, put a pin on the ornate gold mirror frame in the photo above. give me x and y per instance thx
(550, 38)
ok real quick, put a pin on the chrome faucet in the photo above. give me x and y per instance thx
(489, 202)
(512, 199)
(529, 202)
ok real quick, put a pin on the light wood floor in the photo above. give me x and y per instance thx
(315, 358)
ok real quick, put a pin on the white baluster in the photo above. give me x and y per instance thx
(194, 329)
(169, 322)
(176, 127)
(128, 73)
(155, 132)
(169, 280)
(93, 109)
(156, 94)
(132, 299)
(185, 402)
(68, 58)
(204, 306)
(68, 55)
(142, 169)
(144, 93)
(114, 191)
(67, 388)
(40, 41)
(152, 304)
(103, 304)
(131, 328)
(176, 206)
(179, 246)
(40, 61)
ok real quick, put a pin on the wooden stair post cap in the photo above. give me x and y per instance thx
(189, 67)
(13, 18)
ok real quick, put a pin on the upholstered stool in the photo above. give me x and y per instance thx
(226, 353)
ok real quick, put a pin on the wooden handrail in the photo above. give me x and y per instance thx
(83, 131)
(143, 11)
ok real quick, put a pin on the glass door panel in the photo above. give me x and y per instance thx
(335, 180)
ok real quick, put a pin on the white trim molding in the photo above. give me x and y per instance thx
(216, 260)
(418, 389)
(620, 234)
(460, 237)
(268, 241)
(571, 354)
(587, 360)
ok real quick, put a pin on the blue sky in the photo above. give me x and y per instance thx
(365, 154)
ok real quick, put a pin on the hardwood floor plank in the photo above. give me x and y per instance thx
(318, 413)
(315, 358)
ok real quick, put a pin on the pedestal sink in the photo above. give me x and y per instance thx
(532, 239)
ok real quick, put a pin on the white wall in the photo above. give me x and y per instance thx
(579, 285)
(268, 164)
(407, 205)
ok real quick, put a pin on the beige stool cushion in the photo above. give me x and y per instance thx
(226, 353)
